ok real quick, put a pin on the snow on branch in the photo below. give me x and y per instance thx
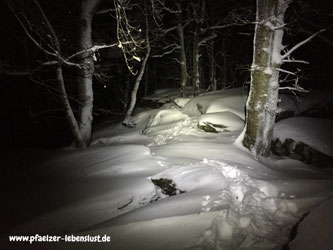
(295, 88)
(286, 71)
(96, 48)
(295, 61)
(301, 43)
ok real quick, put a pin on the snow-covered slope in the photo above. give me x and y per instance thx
(225, 198)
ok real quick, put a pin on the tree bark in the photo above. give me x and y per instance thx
(183, 62)
(196, 71)
(78, 139)
(70, 117)
(85, 74)
(212, 69)
(263, 97)
(128, 117)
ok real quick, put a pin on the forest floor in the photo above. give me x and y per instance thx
(170, 184)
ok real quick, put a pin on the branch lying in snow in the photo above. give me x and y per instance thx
(301, 44)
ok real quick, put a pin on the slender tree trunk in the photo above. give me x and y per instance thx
(70, 117)
(224, 72)
(85, 75)
(196, 46)
(183, 62)
(78, 139)
(146, 80)
(196, 71)
(128, 117)
(263, 98)
(212, 69)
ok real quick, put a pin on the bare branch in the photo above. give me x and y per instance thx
(174, 47)
(215, 27)
(94, 49)
(286, 71)
(295, 88)
(301, 43)
(28, 72)
(169, 30)
(29, 35)
(167, 8)
(202, 42)
(295, 61)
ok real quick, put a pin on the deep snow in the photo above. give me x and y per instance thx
(230, 200)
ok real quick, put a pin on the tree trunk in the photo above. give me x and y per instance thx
(196, 71)
(263, 97)
(183, 62)
(128, 119)
(85, 74)
(78, 139)
(212, 69)
(77, 135)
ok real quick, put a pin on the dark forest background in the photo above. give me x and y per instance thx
(31, 113)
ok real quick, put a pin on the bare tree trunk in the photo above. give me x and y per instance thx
(196, 72)
(145, 93)
(263, 98)
(85, 75)
(183, 62)
(196, 46)
(78, 139)
(212, 69)
(128, 117)
(225, 75)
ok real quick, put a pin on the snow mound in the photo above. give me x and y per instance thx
(232, 100)
(314, 132)
(181, 101)
(165, 124)
(166, 116)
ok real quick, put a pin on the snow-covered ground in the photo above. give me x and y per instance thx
(224, 197)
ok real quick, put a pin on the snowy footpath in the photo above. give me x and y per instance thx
(220, 196)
